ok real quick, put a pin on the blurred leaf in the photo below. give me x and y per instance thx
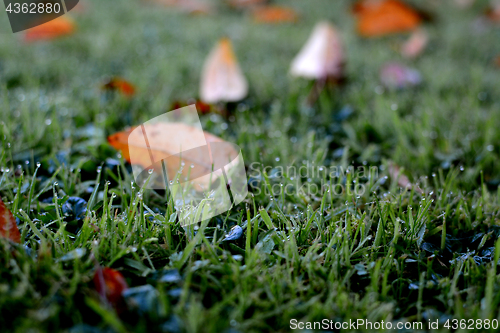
(275, 14)
(382, 17)
(110, 284)
(8, 226)
(58, 27)
(415, 45)
(121, 85)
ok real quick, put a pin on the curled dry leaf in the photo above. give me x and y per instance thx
(382, 17)
(58, 27)
(415, 45)
(397, 76)
(110, 284)
(403, 181)
(222, 79)
(275, 14)
(322, 56)
(164, 145)
(8, 226)
(121, 85)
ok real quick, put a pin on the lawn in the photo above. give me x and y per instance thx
(385, 252)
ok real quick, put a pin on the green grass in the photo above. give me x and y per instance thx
(387, 254)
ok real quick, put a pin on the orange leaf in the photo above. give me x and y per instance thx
(8, 226)
(382, 17)
(58, 27)
(110, 284)
(415, 45)
(121, 85)
(275, 14)
(322, 56)
(163, 144)
(221, 78)
(188, 6)
(202, 108)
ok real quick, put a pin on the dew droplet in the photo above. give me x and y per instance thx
(150, 171)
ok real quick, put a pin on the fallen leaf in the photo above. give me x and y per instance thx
(164, 143)
(415, 45)
(121, 85)
(222, 79)
(202, 108)
(382, 17)
(493, 13)
(110, 284)
(58, 27)
(275, 14)
(497, 61)
(322, 56)
(397, 76)
(403, 181)
(8, 226)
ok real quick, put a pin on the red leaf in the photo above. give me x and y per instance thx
(8, 226)
(202, 108)
(121, 85)
(110, 284)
